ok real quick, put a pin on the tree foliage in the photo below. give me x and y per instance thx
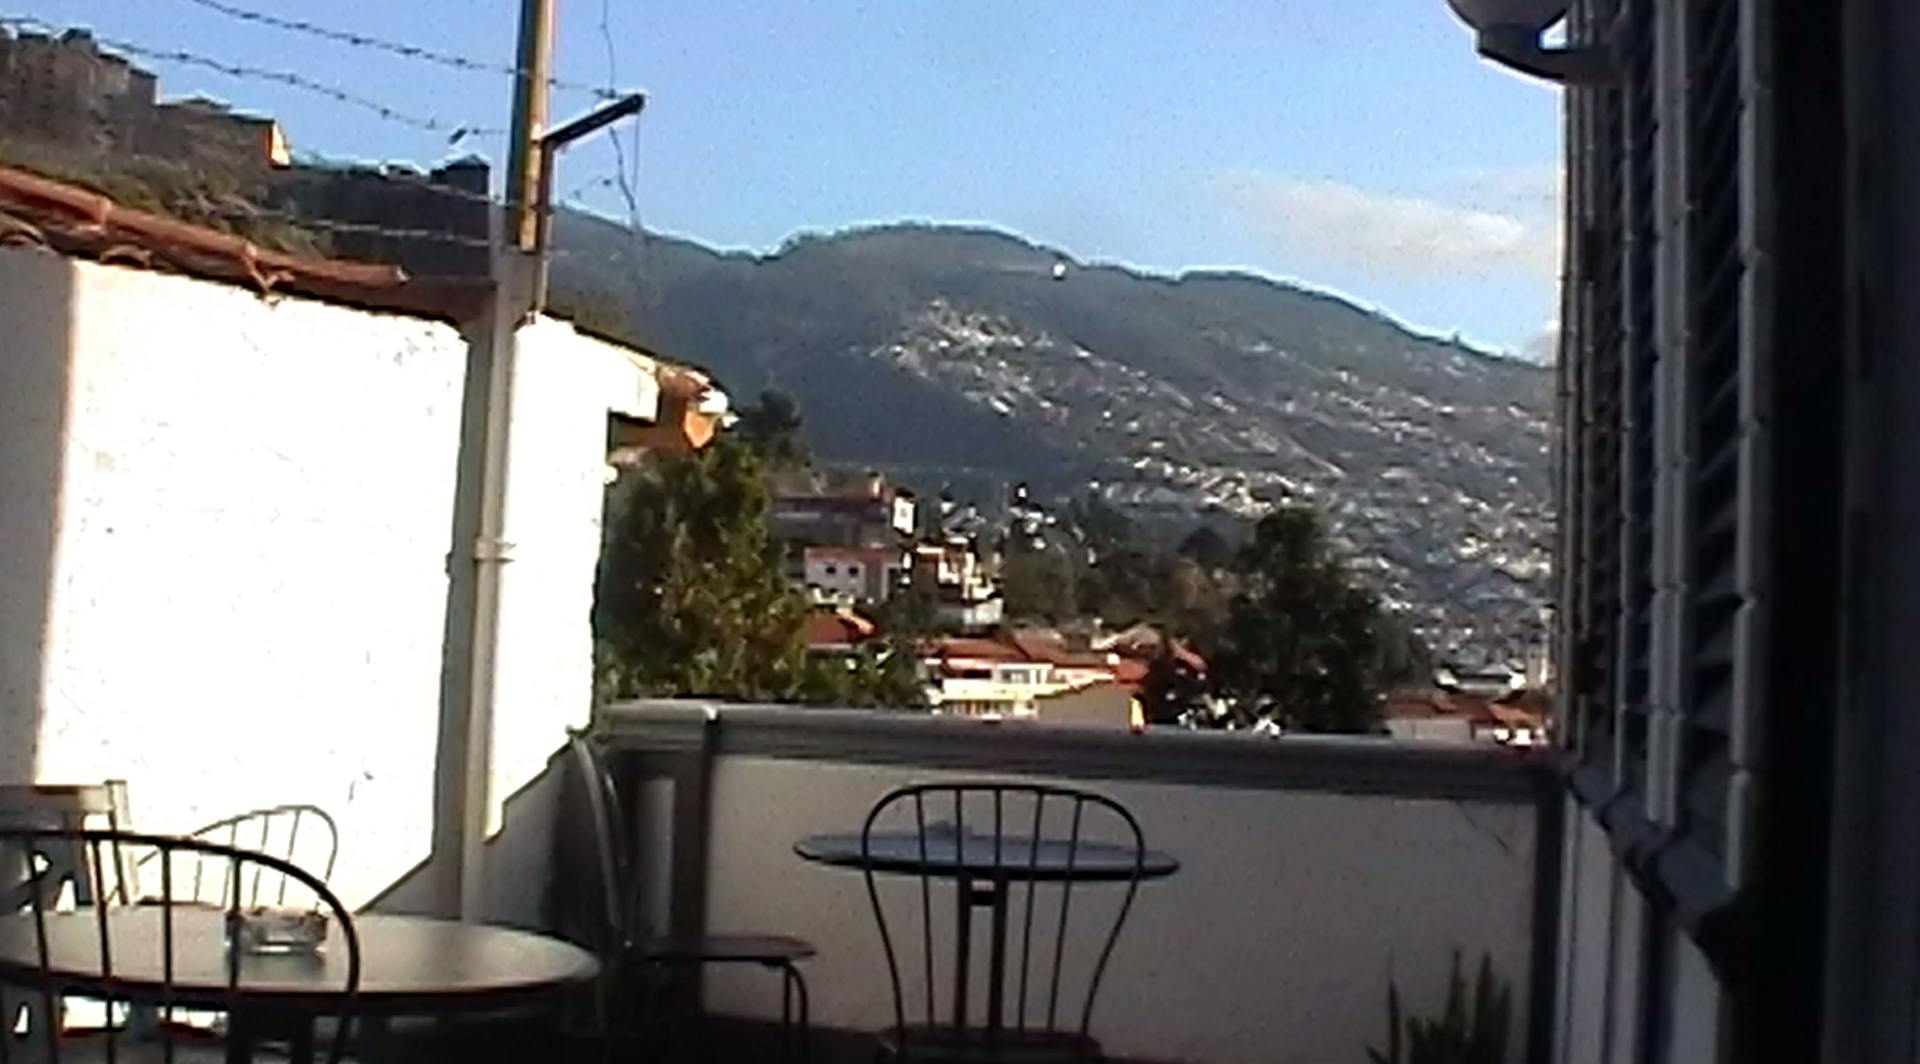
(772, 427)
(691, 598)
(1038, 584)
(1173, 692)
(1300, 645)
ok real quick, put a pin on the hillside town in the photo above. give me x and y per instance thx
(883, 570)
(858, 545)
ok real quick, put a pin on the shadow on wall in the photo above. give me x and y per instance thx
(517, 860)
(36, 307)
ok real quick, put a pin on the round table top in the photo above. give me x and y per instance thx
(407, 963)
(1018, 858)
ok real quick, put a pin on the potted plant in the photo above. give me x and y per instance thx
(1464, 1033)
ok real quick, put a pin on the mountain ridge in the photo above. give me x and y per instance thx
(947, 353)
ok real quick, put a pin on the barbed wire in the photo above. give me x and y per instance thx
(584, 187)
(454, 133)
(437, 236)
(400, 48)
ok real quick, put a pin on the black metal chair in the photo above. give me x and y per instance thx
(592, 851)
(115, 957)
(1017, 851)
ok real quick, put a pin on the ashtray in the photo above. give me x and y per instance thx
(265, 929)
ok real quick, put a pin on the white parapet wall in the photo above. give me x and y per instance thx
(1313, 872)
(227, 522)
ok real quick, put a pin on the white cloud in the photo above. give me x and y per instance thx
(1387, 233)
(1530, 189)
(1544, 348)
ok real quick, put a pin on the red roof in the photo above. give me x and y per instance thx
(1051, 648)
(37, 211)
(838, 628)
(1413, 705)
(974, 647)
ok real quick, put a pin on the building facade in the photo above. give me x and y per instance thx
(64, 92)
(1739, 595)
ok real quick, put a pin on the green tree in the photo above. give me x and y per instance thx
(1402, 658)
(1300, 642)
(692, 601)
(1173, 692)
(772, 427)
(691, 598)
(1038, 584)
(1207, 548)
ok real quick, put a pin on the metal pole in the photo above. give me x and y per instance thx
(530, 116)
(464, 759)
(542, 195)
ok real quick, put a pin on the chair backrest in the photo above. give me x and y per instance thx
(122, 955)
(301, 835)
(1017, 853)
(590, 855)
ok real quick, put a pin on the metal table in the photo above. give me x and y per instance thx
(984, 868)
(409, 965)
(1016, 859)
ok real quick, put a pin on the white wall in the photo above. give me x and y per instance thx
(1599, 1018)
(33, 408)
(1590, 885)
(248, 582)
(565, 383)
(1273, 944)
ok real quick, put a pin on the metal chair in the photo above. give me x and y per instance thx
(119, 956)
(39, 805)
(611, 921)
(302, 835)
(1017, 851)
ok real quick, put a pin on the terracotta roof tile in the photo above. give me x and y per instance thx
(38, 211)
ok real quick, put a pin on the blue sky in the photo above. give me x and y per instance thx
(1357, 146)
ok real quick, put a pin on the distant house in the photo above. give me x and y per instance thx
(1492, 681)
(1107, 704)
(964, 595)
(64, 92)
(853, 575)
(1454, 717)
(1016, 674)
(869, 513)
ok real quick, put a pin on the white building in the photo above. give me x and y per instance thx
(853, 575)
(228, 523)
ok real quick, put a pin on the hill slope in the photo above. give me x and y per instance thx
(945, 353)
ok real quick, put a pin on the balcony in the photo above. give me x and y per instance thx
(1314, 870)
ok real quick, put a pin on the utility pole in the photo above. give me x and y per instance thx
(463, 767)
(463, 763)
(526, 150)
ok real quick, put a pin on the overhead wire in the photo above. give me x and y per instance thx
(356, 39)
(455, 132)
(576, 192)
(624, 182)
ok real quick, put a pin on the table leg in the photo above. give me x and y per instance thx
(240, 1035)
(962, 950)
(997, 975)
(300, 1040)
